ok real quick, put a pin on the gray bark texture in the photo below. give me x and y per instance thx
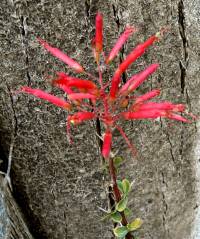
(58, 186)
(12, 223)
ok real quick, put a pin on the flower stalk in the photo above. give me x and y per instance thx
(116, 191)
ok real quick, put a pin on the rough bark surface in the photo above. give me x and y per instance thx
(60, 186)
(12, 224)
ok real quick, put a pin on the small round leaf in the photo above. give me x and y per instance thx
(120, 231)
(127, 212)
(120, 185)
(126, 186)
(116, 217)
(121, 205)
(135, 224)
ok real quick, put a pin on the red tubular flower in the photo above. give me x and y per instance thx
(83, 85)
(99, 35)
(107, 142)
(46, 96)
(150, 41)
(62, 79)
(160, 106)
(143, 114)
(179, 118)
(79, 96)
(149, 95)
(152, 114)
(137, 79)
(61, 82)
(79, 117)
(114, 85)
(62, 56)
(120, 42)
(133, 56)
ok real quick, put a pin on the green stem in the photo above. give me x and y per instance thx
(116, 192)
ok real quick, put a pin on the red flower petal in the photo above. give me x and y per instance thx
(179, 118)
(107, 142)
(149, 95)
(46, 96)
(79, 96)
(68, 82)
(133, 56)
(137, 79)
(79, 117)
(161, 106)
(62, 56)
(99, 33)
(120, 42)
(144, 114)
(82, 84)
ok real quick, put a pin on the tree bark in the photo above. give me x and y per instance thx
(12, 222)
(58, 186)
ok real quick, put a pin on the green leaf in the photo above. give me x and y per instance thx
(121, 205)
(135, 224)
(116, 217)
(127, 211)
(117, 161)
(126, 186)
(120, 185)
(120, 231)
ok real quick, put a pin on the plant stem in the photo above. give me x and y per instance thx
(117, 193)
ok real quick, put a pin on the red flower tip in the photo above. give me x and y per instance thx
(79, 117)
(149, 95)
(178, 118)
(62, 56)
(120, 42)
(107, 142)
(115, 85)
(99, 35)
(137, 79)
(46, 96)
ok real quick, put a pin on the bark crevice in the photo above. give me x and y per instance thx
(24, 33)
(165, 205)
(184, 63)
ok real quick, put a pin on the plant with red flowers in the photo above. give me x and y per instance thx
(110, 102)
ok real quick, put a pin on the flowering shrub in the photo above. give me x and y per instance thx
(110, 102)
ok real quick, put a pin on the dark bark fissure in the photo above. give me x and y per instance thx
(3, 158)
(164, 202)
(183, 65)
(24, 33)
(87, 8)
(171, 147)
(98, 130)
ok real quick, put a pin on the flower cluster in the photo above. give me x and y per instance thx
(111, 101)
